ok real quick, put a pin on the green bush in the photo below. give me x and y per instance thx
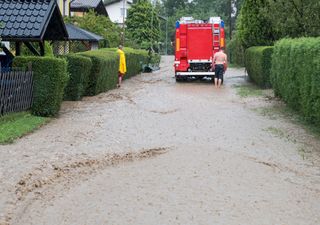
(79, 68)
(104, 70)
(295, 75)
(105, 65)
(258, 64)
(235, 51)
(49, 80)
(48, 51)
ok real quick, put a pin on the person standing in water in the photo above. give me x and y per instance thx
(220, 64)
(122, 65)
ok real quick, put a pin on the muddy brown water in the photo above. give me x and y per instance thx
(161, 152)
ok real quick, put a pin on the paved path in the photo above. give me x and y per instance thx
(159, 152)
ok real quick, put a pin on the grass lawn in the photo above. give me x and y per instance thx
(248, 90)
(16, 125)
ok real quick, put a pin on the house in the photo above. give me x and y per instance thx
(64, 6)
(80, 7)
(78, 39)
(117, 9)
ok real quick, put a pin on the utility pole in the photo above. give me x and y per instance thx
(151, 23)
(123, 21)
(230, 19)
(166, 35)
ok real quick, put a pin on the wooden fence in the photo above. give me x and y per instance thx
(15, 90)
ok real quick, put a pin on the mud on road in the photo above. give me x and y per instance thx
(161, 152)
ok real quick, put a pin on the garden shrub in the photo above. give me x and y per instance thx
(295, 75)
(105, 65)
(49, 80)
(48, 51)
(104, 70)
(79, 68)
(235, 51)
(258, 64)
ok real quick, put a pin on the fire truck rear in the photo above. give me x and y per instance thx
(196, 43)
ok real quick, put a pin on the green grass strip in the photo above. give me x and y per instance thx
(16, 125)
(248, 90)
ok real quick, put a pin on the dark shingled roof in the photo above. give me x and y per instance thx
(86, 5)
(78, 34)
(31, 20)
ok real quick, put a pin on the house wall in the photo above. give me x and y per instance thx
(64, 6)
(114, 11)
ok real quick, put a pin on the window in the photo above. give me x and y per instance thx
(123, 12)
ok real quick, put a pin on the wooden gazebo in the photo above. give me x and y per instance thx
(30, 23)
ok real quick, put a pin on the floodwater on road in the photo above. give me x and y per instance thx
(160, 152)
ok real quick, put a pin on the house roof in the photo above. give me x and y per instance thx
(86, 5)
(110, 2)
(78, 34)
(26, 20)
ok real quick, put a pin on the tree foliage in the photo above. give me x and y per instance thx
(172, 6)
(254, 27)
(263, 21)
(143, 24)
(294, 18)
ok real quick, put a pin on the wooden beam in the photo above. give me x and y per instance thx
(18, 48)
(31, 48)
(87, 45)
(41, 44)
(8, 53)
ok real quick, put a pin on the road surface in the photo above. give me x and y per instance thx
(157, 152)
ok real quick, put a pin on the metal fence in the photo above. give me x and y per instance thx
(15, 90)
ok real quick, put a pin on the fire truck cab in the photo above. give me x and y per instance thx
(196, 43)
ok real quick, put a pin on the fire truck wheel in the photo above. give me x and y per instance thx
(179, 79)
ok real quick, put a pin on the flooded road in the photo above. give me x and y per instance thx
(160, 152)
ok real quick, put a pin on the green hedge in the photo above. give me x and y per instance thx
(295, 75)
(258, 64)
(103, 75)
(235, 51)
(79, 68)
(105, 65)
(50, 78)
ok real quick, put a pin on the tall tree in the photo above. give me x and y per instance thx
(254, 27)
(301, 17)
(173, 5)
(143, 24)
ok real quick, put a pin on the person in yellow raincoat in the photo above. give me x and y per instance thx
(122, 65)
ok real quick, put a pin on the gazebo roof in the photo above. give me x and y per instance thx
(78, 34)
(86, 5)
(31, 20)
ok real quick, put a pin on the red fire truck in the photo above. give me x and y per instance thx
(196, 43)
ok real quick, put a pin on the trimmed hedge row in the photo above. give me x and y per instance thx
(90, 73)
(49, 79)
(295, 75)
(258, 64)
(105, 65)
(79, 68)
(103, 75)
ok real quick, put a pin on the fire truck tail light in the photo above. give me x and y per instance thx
(222, 43)
(178, 44)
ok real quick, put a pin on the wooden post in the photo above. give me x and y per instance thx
(41, 44)
(30, 66)
(18, 48)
